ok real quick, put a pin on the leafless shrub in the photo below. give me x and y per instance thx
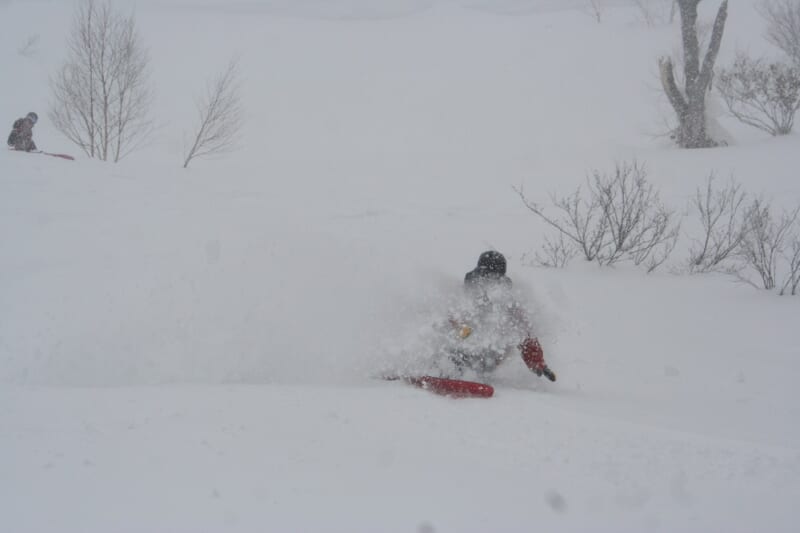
(580, 220)
(783, 26)
(724, 225)
(654, 253)
(760, 94)
(30, 47)
(657, 12)
(638, 223)
(101, 98)
(220, 116)
(555, 253)
(792, 282)
(764, 243)
(619, 217)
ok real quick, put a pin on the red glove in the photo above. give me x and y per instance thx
(533, 355)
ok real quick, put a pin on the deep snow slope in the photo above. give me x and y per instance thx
(371, 458)
(195, 350)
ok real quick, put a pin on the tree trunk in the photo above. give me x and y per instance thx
(690, 103)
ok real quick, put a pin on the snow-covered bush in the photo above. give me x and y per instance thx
(761, 94)
(724, 224)
(617, 217)
(783, 26)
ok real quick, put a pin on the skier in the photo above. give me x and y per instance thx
(493, 324)
(21, 136)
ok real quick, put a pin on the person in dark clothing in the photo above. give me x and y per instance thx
(494, 323)
(21, 136)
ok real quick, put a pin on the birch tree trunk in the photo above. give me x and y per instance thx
(689, 103)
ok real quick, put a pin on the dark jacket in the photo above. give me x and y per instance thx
(21, 136)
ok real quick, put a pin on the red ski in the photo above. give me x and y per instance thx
(454, 388)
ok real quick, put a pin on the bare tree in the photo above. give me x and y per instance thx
(764, 243)
(759, 94)
(220, 116)
(689, 103)
(783, 26)
(101, 95)
(619, 217)
(724, 225)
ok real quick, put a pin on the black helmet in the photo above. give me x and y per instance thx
(492, 262)
(33, 116)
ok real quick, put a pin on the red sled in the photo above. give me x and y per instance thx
(454, 388)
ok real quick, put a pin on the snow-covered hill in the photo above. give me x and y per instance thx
(195, 349)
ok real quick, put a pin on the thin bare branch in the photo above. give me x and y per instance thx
(555, 253)
(792, 281)
(765, 242)
(220, 116)
(724, 225)
(783, 26)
